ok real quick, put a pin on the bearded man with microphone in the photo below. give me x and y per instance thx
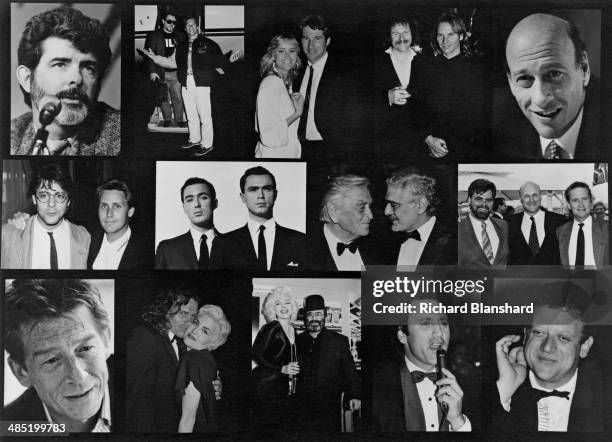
(62, 57)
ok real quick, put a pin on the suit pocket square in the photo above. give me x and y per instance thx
(293, 264)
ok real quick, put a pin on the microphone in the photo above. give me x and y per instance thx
(47, 114)
(441, 363)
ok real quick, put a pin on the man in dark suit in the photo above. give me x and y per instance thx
(403, 393)
(115, 246)
(552, 88)
(261, 244)
(192, 250)
(586, 240)
(483, 240)
(533, 233)
(346, 215)
(57, 336)
(153, 351)
(411, 204)
(564, 391)
(327, 370)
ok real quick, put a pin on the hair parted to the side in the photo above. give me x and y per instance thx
(215, 312)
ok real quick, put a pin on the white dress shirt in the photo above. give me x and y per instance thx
(411, 249)
(587, 229)
(347, 261)
(41, 245)
(103, 424)
(269, 234)
(493, 238)
(402, 68)
(312, 133)
(174, 344)
(568, 140)
(539, 222)
(196, 238)
(110, 253)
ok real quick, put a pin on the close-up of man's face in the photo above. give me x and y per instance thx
(191, 27)
(548, 84)
(169, 23)
(403, 208)
(181, 316)
(481, 204)
(580, 203)
(65, 361)
(553, 346)
(352, 212)
(314, 43)
(530, 198)
(259, 195)
(448, 40)
(315, 320)
(66, 74)
(401, 37)
(51, 204)
(114, 212)
(199, 205)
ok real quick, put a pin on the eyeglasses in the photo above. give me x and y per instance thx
(58, 197)
(171, 22)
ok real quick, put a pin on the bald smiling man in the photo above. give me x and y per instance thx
(549, 76)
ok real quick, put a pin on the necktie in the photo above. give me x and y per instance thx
(53, 252)
(555, 152)
(182, 348)
(486, 243)
(418, 376)
(534, 245)
(262, 260)
(414, 235)
(304, 117)
(341, 247)
(203, 261)
(541, 394)
(580, 247)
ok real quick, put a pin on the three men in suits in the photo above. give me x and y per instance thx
(546, 384)
(411, 204)
(261, 244)
(327, 370)
(483, 240)
(586, 240)
(49, 240)
(409, 396)
(533, 233)
(192, 250)
(551, 86)
(58, 339)
(346, 215)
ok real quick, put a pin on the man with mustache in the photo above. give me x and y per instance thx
(409, 396)
(327, 370)
(549, 76)
(62, 58)
(483, 240)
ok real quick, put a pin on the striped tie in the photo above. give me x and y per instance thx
(486, 243)
(555, 152)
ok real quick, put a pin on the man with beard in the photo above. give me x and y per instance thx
(483, 240)
(261, 244)
(47, 240)
(327, 370)
(62, 57)
(192, 250)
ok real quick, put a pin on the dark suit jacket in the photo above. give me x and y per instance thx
(178, 253)
(151, 370)
(440, 249)
(520, 254)
(234, 250)
(515, 138)
(601, 242)
(470, 254)
(134, 256)
(319, 256)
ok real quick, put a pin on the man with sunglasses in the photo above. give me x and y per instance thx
(163, 41)
(49, 241)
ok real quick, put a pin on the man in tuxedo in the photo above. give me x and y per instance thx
(327, 370)
(346, 215)
(58, 339)
(483, 240)
(563, 391)
(192, 250)
(261, 244)
(153, 351)
(533, 233)
(411, 203)
(585, 240)
(553, 88)
(115, 246)
(409, 396)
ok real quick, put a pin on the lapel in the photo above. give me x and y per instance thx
(169, 349)
(414, 418)
(23, 249)
(78, 250)
(500, 248)
(434, 246)
(244, 238)
(476, 245)
(597, 235)
(190, 253)
(563, 234)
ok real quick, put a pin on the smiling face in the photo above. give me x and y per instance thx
(202, 333)
(530, 198)
(314, 43)
(192, 29)
(448, 40)
(401, 37)
(169, 23)
(351, 213)
(282, 307)
(427, 333)
(114, 213)
(580, 203)
(553, 348)
(285, 56)
(481, 204)
(65, 361)
(315, 320)
(199, 205)
(548, 84)
(51, 212)
(180, 317)
(259, 196)
(404, 209)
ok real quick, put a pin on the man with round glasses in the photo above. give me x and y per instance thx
(49, 241)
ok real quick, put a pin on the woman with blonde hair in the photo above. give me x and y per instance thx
(279, 108)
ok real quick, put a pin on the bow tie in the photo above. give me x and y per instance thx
(541, 394)
(341, 247)
(418, 376)
(414, 235)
